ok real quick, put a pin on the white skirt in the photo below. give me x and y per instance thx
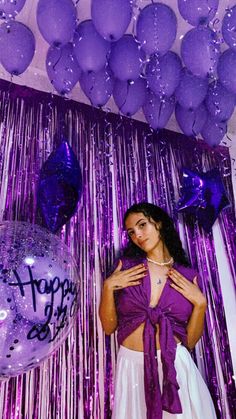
(129, 400)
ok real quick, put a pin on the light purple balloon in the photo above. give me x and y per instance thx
(158, 111)
(198, 12)
(62, 68)
(219, 101)
(56, 20)
(126, 58)
(191, 121)
(213, 131)
(17, 47)
(98, 87)
(228, 27)
(200, 51)
(191, 90)
(227, 70)
(9, 8)
(156, 28)
(91, 50)
(130, 97)
(111, 18)
(163, 73)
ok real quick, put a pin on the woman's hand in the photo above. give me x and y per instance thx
(128, 278)
(189, 290)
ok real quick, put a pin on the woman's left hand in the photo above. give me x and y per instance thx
(189, 290)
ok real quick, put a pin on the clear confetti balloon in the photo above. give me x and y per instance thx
(39, 290)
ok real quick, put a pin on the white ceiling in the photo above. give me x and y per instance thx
(35, 76)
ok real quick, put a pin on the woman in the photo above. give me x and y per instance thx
(154, 300)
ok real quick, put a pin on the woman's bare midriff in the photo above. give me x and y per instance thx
(135, 340)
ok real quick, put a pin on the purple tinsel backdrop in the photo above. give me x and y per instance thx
(122, 162)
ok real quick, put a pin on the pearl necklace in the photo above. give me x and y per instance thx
(161, 263)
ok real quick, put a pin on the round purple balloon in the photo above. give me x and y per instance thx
(111, 18)
(98, 87)
(191, 90)
(157, 111)
(156, 28)
(191, 121)
(163, 73)
(62, 68)
(213, 131)
(198, 12)
(219, 101)
(91, 50)
(56, 20)
(200, 51)
(17, 47)
(9, 8)
(126, 58)
(227, 70)
(228, 27)
(130, 97)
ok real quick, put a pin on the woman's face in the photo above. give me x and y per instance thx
(143, 232)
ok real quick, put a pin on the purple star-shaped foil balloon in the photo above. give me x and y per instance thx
(60, 187)
(204, 195)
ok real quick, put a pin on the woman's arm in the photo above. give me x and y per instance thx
(196, 324)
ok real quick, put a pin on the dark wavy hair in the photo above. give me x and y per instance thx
(168, 232)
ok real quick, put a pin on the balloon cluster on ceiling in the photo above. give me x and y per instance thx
(138, 69)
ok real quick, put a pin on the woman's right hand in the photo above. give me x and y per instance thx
(128, 278)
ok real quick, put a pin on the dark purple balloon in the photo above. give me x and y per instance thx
(191, 121)
(9, 8)
(198, 12)
(98, 87)
(204, 195)
(213, 131)
(157, 111)
(60, 187)
(126, 58)
(130, 97)
(91, 50)
(17, 47)
(191, 90)
(163, 73)
(200, 51)
(62, 68)
(56, 20)
(227, 70)
(111, 18)
(156, 28)
(219, 101)
(229, 27)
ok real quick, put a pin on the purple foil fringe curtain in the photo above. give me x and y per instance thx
(122, 162)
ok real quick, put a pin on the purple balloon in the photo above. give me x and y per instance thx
(98, 86)
(219, 101)
(228, 27)
(198, 12)
(111, 18)
(157, 111)
(213, 131)
(191, 90)
(56, 20)
(130, 97)
(91, 50)
(17, 47)
(227, 70)
(9, 8)
(191, 121)
(62, 68)
(126, 58)
(200, 51)
(156, 28)
(163, 73)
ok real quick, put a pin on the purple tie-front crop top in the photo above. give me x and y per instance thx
(171, 314)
